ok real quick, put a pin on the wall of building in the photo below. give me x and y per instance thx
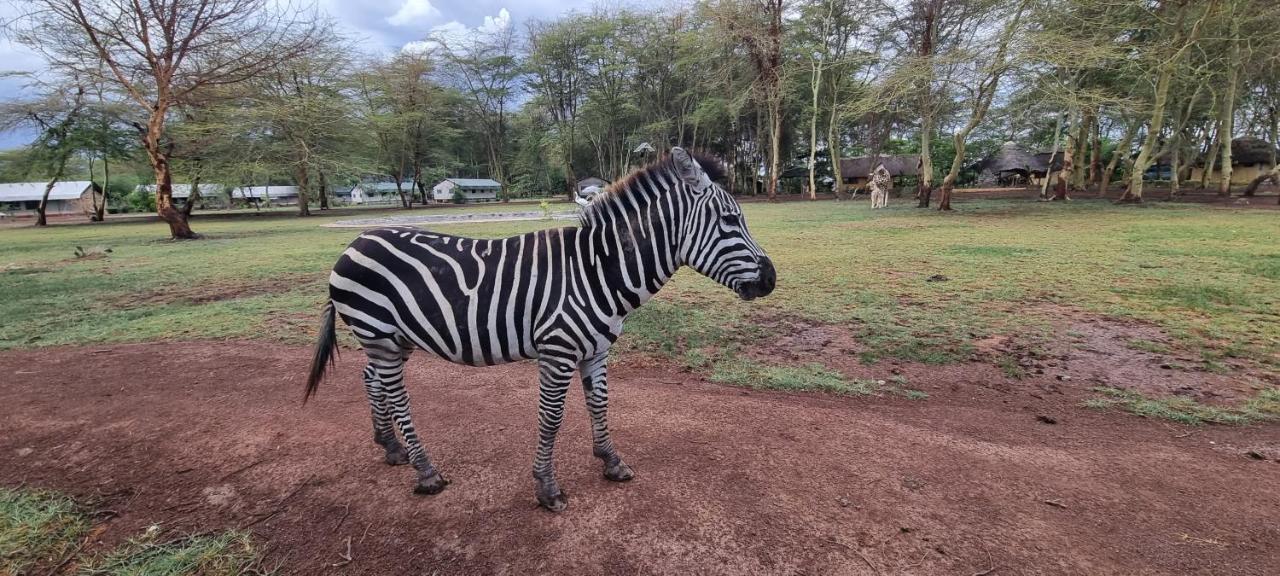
(1240, 175)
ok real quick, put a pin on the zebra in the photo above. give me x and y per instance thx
(558, 296)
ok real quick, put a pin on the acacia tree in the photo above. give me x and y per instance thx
(757, 27)
(1166, 53)
(406, 112)
(59, 117)
(556, 69)
(310, 118)
(485, 68)
(989, 71)
(158, 54)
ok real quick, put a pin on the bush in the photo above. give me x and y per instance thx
(141, 200)
(459, 197)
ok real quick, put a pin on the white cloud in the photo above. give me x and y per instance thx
(412, 11)
(456, 33)
(495, 24)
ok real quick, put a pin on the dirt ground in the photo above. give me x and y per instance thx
(973, 480)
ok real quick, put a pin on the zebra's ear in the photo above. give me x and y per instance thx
(689, 169)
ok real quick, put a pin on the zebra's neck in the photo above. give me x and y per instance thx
(635, 229)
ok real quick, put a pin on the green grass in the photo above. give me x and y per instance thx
(37, 528)
(751, 373)
(224, 554)
(1207, 276)
(44, 530)
(1264, 406)
(1148, 346)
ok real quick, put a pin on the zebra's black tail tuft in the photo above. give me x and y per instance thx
(326, 352)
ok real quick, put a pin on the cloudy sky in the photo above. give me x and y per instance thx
(380, 26)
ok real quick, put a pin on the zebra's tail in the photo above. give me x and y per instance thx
(326, 351)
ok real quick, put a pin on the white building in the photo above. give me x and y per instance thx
(70, 197)
(376, 193)
(472, 189)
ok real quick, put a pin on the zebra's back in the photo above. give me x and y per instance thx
(472, 301)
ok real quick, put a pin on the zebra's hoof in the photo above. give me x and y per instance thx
(619, 472)
(432, 484)
(556, 502)
(396, 457)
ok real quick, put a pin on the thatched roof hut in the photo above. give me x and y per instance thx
(861, 166)
(1247, 151)
(1012, 159)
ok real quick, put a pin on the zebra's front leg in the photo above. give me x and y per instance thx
(391, 374)
(554, 375)
(596, 389)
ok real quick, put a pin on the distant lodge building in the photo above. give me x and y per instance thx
(856, 171)
(466, 190)
(1012, 164)
(376, 192)
(588, 187)
(1250, 157)
(70, 197)
(592, 181)
(221, 194)
(210, 193)
(274, 195)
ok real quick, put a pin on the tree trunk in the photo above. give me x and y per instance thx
(1068, 161)
(1082, 141)
(303, 180)
(106, 186)
(924, 188)
(159, 159)
(1273, 175)
(833, 151)
(1227, 132)
(405, 201)
(775, 144)
(44, 200)
(1121, 150)
(1053, 152)
(93, 196)
(758, 157)
(324, 191)
(816, 86)
(193, 197)
(1095, 150)
(1174, 167)
(1212, 161)
(949, 181)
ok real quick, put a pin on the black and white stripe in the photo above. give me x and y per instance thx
(558, 296)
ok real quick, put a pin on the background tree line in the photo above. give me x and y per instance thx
(252, 92)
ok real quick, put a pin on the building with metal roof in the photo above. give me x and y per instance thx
(67, 197)
(466, 189)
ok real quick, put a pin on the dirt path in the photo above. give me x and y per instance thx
(730, 482)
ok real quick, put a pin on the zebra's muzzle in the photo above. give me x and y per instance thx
(763, 283)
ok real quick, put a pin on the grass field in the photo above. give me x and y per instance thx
(1210, 277)
(45, 530)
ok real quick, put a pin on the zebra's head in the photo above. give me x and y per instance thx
(716, 242)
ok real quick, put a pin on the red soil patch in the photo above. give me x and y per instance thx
(205, 436)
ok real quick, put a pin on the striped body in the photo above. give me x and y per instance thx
(485, 302)
(558, 296)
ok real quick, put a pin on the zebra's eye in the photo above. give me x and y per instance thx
(730, 219)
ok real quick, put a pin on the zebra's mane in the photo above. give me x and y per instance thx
(616, 191)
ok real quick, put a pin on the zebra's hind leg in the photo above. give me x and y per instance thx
(554, 375)
(383, 432)
(596, 389)
(387, 360)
